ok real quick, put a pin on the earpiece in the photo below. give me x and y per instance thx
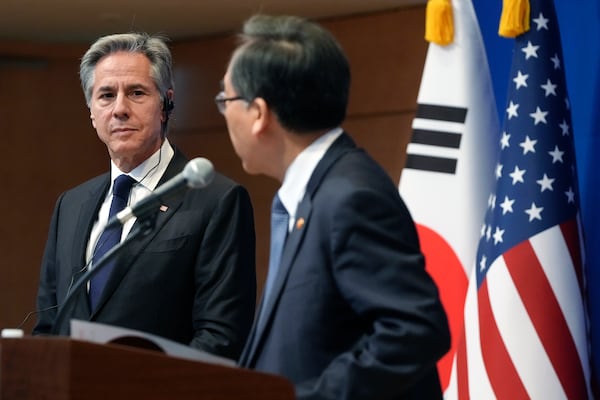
(168, 106)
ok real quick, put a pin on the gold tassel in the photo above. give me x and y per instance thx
(515, 18)
(439, 27)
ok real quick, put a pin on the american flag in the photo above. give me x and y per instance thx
(525, 326)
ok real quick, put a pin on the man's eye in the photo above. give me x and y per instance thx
(106, 95)
(137, 93)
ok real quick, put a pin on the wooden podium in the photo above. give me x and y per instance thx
(59, 368)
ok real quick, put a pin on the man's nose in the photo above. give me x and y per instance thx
(121, 106)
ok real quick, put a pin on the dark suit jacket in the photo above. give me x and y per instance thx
(353, 313)
(191, 280)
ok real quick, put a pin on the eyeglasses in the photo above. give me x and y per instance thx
(221, 101)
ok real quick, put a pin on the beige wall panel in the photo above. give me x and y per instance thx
(49, 145)
(199, 68)
(386, 53)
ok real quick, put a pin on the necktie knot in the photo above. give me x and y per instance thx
(122, 186)
(279, 226)
(277, 206)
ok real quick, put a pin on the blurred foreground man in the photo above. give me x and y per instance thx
(348, 310)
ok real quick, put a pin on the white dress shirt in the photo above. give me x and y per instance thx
(298, 174)
(147, 175)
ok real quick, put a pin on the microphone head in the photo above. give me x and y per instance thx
(198, 173)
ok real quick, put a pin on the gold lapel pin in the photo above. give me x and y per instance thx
(163, 208)
(299, 223)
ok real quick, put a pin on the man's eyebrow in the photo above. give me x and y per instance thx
(132, 86)
(137, 86)
(105, 88)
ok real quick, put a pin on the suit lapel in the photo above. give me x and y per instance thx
(340, 146)
(87, 214)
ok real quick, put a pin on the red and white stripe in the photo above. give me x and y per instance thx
(525, 335)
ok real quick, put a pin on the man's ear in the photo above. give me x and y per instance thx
(93, 119)
(262, 115)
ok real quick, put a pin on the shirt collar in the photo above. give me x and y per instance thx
(149, 172)
(300, 170)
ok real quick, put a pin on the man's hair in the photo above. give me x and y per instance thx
(154, 47)
(297, 67)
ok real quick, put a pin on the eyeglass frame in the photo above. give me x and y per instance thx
(221, 101)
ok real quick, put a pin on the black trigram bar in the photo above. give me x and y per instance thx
(436, 138)
(441, 113)
(430, 163)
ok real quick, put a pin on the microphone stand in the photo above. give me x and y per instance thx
(146, 226)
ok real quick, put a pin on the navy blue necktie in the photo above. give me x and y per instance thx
(109, 238)
(279, 231)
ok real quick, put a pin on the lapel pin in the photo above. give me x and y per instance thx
(299, 223)
(163, 208)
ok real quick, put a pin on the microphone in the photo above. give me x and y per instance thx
(196, 174)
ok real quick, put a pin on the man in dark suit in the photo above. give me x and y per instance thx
(349, 311)
(192, 278)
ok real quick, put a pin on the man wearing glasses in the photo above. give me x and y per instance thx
(348, 310)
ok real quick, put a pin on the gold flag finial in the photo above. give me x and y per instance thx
(515, 18)
(439, 26)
